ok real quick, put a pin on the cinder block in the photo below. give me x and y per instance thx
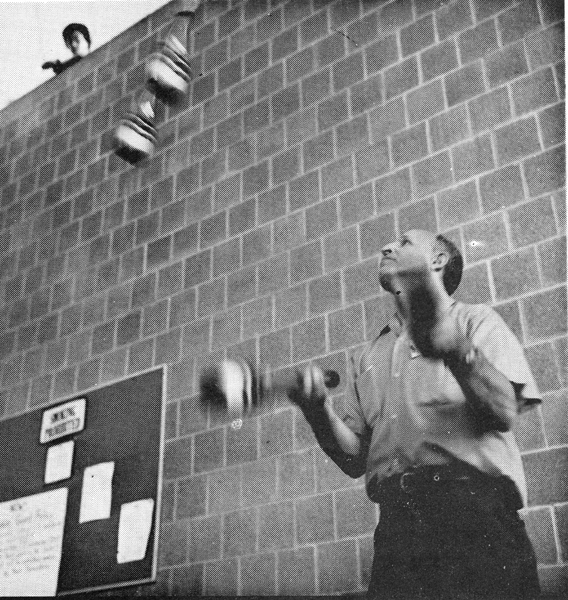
(346, 327)
(489, 110)
(431, 174)
(517, 140)
(401, 77)
(381, 54)
(529, 432)
(417, 35)
(477, 42)
(285, 102)
(337, 564)
(221, 577)
(226, 328)
(275, 348)
(314, 519)
(255, 179)
(409, 145)
(501, 188)
(258, 574)
(464, 83)
(393, 190)
(449, 127)
(301, 126)
(270, 141)
(364, 30)
(533, 91)
(269, 81)
(453, 18)
(546, 474)
(306, 262)
(332, 111)
(259, 482)
(290, 305)
(515, 274)
(362, 281)
(343, 12)
(337, 176)
(546, 46)
(387, 119)
(372, 161)
(425, 101)
(209, 451)
(518, 21)
(356, 205)
(545, 313)
(545, 172)
(532, 222)
(318, 150)
(340, 249)
(316, 87)
(285, 44)
(212, 298)
(191, 497)
(177, 458)
(347, 71)
(239, 532)
(419, 215)
(458, 204)
(256, 117)
(168, 347)
(555, 413)
(506, 64)
(242, 217)
(173, 544)
(472, 157)
(241, 444)
(271, 204)
(485, 238)
(552, 256)
(286, 165)
(313, 28)
(187, 581)
(356, 514)
(308, 339)
(553, 125)
(296, 572)
(352, 135)
(541, 533)
(325, 293)
(439, 59)
(273, 274)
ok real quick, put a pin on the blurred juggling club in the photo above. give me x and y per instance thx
(136, 135)
(168, 71)
(236, 388)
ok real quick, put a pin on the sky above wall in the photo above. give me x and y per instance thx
(30, 34)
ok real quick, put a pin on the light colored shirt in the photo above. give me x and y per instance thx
(416, 411)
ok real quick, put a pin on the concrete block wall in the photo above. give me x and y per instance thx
(315, 132)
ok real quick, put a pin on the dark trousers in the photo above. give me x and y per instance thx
(451, 538)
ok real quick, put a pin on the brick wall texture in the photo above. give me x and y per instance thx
(314, 133)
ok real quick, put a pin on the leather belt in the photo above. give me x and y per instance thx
(420, 478)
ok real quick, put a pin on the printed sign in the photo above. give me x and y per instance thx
(31, 537)
(63, 420)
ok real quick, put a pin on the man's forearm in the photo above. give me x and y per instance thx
(336, 439)
(490, 394)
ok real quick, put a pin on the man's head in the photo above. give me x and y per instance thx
(77, 38)
(419, 249)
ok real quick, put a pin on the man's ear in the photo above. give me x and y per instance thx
(439, 260)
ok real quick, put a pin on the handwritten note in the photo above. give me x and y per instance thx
(59, 462)
(134, 529)
(96, 494)
(31, 537)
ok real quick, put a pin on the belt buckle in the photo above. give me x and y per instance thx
(403, 484)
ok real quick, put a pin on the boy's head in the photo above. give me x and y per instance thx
(77, 38)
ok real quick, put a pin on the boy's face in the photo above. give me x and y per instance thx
(78, 44)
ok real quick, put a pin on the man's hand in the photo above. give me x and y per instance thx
(310, 392)
(55, 65)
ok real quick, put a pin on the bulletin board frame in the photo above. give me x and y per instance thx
(141, 443)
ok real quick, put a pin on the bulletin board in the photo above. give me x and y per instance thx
(123, 429)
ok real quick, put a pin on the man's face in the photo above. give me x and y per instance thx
(78, 44)
(414, 251)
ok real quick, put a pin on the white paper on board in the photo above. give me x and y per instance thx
(31, 538)
(96, 494)
(134, 530)
(59, 462)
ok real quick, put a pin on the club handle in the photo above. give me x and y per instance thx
(285, 380)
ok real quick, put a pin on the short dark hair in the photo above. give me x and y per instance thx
(72, 28)
(454, 267)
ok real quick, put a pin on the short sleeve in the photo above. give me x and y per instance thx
(353, 418)
(503, 350)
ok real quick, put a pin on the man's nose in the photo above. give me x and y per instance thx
(386, 250)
